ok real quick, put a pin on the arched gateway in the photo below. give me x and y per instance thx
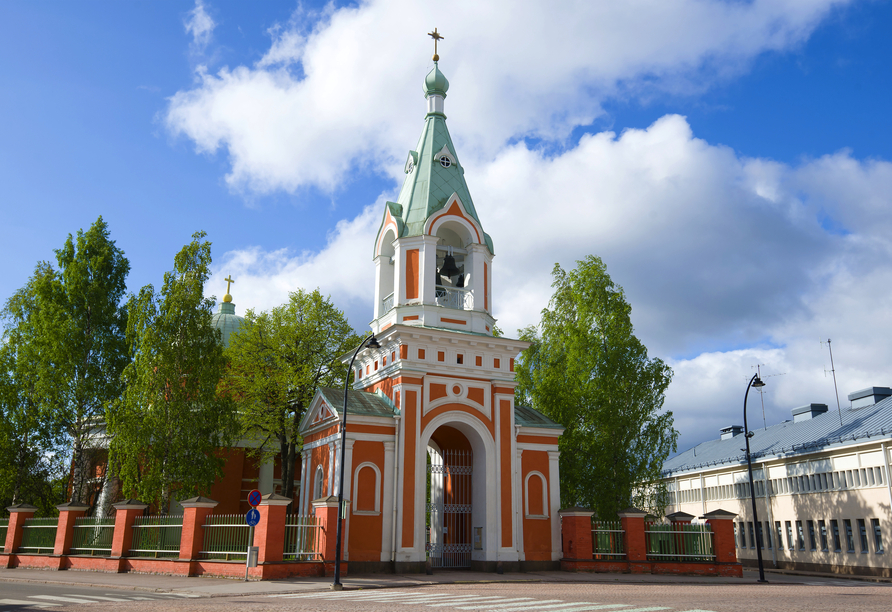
(442, 467)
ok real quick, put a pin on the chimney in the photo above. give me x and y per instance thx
(730, 431)
(869, 396)
(808, 412)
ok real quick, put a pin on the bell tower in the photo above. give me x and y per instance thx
(433, 261)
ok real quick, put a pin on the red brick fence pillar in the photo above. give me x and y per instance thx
(17, 516)
(723, 542)
(195, 510)
(632, 520)
(326, 510)
(576, 535)
(65, 529)
(125, 515)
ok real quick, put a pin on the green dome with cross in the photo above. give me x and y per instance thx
(225, 318)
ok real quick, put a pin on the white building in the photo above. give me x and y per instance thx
(822, 481)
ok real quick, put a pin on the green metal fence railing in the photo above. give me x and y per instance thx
(156, 536)
(225, 538)
(92, 535)
(679, 542)
(4, 524)
(302, 537)
(39, 535)
(607, 540)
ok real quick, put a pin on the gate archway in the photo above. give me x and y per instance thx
(449, 507)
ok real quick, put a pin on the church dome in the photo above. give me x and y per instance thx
(226, 321)
(435, 82)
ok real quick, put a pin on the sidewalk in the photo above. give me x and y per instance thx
(219, 587)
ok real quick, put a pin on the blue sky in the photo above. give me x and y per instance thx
(730, 161)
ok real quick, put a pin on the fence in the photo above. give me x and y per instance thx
(39, 535)
(4, 523)
(156, 536)
(679, 542)
(607, 540)
(302, 538)
(92, 535)
(225, 538)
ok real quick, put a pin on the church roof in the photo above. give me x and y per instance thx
(226, 321)
(429, 183)
(529, 417)
(358, 402)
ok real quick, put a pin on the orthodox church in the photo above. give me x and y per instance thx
(440, 465)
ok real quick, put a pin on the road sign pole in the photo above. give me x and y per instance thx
(248, 556)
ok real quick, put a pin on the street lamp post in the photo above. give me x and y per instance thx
(372, 343)
(757, 383)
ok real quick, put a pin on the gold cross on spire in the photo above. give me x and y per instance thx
(436, 36)
(227, 297)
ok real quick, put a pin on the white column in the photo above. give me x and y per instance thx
(399, 273)
(301, 503)
(348, 478)
(427, 264)
(554, 490)
(518, 500)
(387, 501)
(331, 468)
(378, 293)
(265, 480)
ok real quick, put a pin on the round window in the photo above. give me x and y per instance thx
(445, 161)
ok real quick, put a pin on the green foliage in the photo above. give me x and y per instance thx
(171, 419)
(278, 361)
(586, 370)
(67, 334)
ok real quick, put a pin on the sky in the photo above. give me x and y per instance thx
(729, 161)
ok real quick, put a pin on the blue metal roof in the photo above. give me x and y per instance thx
(788, 439)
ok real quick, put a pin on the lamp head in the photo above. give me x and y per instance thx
(372, 343)
(758, 384)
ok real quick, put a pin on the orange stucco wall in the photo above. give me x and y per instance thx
(536, 532)
(366, 529)
(410, 414)
(412, 274)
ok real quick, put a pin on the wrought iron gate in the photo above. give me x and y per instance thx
(449, 508)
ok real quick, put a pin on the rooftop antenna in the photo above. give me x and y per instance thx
(758, 367)
(833, 371)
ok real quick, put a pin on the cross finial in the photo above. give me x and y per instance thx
(229, 281)
(436, 36)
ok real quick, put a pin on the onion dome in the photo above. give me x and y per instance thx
(225, 318)
(435, 82)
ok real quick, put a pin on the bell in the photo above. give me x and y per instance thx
(449, 268)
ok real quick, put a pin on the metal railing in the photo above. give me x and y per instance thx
(39, 535)
(302, 538)
(92, 535)
(156, 536)
(453, 297)
(387, 304)
(607, 540)
(679, 542)
(225, 538)
(4, 524)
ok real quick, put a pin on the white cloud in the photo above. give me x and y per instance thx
(200, 25)
(327, 97)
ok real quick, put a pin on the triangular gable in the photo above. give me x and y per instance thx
(455, 210)
(319, 412)
(392, 219)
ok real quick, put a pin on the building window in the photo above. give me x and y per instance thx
(789, 527)
(862, 532)
(742, 536)
(759, 535)
(318, 483)
(834, 528)
(768, 533)
(879, 472)
(800, 536)
(877, 536)
(822, 526)
(812, 540)
(752, 537)
(850, 538)
(736, 542)
(459, 359)
(780, 535)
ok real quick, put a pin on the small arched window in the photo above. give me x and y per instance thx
(318, 482)
(366, 489)
(535, 495)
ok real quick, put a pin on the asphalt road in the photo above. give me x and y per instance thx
(808, 596)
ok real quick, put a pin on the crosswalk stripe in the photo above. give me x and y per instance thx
(513, 605)
(347, 594)
(473, 598)
(58, 598)
(653, 609)
(97, 597)
(182, 594)
(22, 602)
(573, 606)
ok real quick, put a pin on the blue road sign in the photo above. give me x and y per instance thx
(253, 517)
(254, 498)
